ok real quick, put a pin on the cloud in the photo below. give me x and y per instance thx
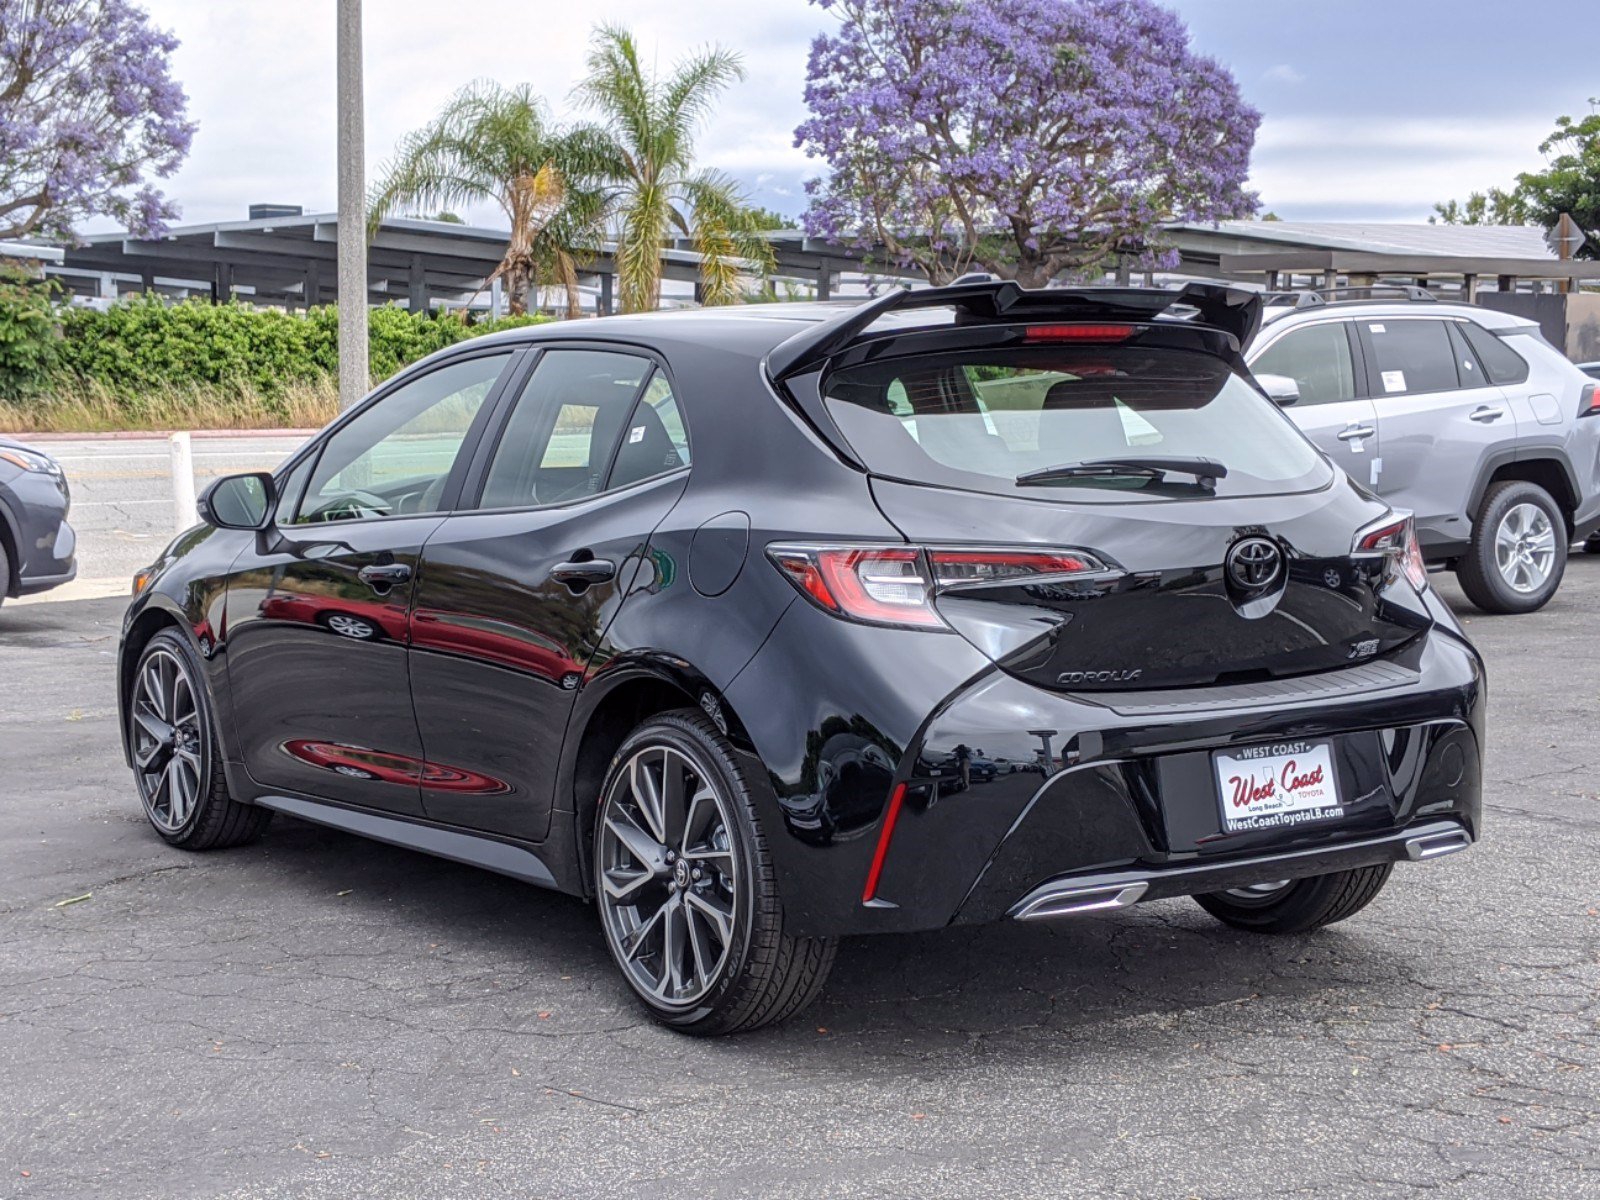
(1283, 73)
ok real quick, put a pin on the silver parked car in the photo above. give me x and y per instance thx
(1463, 415)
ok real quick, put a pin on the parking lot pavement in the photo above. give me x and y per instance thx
(316, 1016)
(122, 497)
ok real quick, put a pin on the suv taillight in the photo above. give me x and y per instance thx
(1395, 538)
(896, 585)
(1589, 400)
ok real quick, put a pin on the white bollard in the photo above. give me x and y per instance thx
(183, 510)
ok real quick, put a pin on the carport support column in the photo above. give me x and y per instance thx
(825, 282)
(607, 282)
(354, 375)
(417, 286)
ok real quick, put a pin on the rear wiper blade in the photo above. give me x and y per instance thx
(1203, 469)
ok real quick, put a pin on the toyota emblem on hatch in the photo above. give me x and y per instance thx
(1254, 563)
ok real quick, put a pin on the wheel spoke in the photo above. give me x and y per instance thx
(647, 793)
(644, 932)
(704, 963)
(648, 852)
(672, 945)
(674, 806)
(154, 692)
(620, 883)
(719, 918)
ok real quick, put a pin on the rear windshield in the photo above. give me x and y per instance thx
(978, 421)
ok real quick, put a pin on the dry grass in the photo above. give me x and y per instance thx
(90, 408)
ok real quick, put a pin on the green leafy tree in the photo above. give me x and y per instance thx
(493, 144)
(1569, 183)
(656, 187)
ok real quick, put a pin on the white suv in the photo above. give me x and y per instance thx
(1465, 416)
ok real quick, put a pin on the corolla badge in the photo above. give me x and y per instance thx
(1254, 563)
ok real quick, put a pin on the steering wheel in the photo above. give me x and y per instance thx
(352, 504)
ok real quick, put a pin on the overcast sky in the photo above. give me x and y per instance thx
(1373, 109)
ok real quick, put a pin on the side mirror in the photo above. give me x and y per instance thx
(239, 501)
(1282, 390)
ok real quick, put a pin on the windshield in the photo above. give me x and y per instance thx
(981, 420)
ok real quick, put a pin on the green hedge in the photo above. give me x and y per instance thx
(144, 345)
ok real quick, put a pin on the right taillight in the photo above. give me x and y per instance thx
(1589, 400)
(896, 585)
(1395, 538)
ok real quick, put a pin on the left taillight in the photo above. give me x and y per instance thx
(1395, 538)
(896, 585)
(1589, 400)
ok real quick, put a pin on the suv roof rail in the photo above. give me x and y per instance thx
(1316, 297)
(1234, 311)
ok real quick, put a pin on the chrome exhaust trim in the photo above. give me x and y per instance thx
(1437, 845)
(1071, 901)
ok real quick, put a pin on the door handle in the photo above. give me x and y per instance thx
(380, 577)
(1486, 413)
(1352, 432)
(581, 574)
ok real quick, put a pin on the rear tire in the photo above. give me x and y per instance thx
(1495, 573)
(686, 890)
(5, 574)
(177, 757)
(1301, 905)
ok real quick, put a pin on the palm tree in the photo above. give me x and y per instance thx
(498, 144)
(653, 123)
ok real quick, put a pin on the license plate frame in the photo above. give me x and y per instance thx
(1279, 785)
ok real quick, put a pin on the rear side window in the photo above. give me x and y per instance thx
(978, 421)
(1501, 363)
(1410, 357)
(1317, 357)
(558, 442)
(656, 441)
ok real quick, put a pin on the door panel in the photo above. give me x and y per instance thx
(1332, 409)
(317, 607)
(500, 646)
(514, 597)
(1434, 438)
(317, 661)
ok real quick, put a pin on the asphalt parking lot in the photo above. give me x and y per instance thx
(324, 1017)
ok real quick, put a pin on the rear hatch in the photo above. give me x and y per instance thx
(1207, 541)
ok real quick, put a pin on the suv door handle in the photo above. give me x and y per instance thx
(581, 574)
(1351, 432)
(380, 577)
(1487, 413)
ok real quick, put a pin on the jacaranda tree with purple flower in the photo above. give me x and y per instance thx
(89, 113)
(1028, 138)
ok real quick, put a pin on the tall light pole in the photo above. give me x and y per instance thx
(353, 375)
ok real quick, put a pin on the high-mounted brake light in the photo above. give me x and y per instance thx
(1396, 539)
(896, 585)
(1589, 400)
(1077, 333)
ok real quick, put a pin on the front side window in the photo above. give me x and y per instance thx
(395, 456)
(985, 420)
(558, 443)
(1317, 357)
(1411, 357)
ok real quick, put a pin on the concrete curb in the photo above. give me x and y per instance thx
(127, 435)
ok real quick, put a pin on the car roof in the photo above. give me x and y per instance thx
(750, 328)
(1489, 318)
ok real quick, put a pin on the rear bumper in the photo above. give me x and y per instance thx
(1070, 895)
(1118, 789)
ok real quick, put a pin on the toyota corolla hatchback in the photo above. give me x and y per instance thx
(766, 626)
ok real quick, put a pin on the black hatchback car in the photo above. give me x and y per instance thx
(770, 625)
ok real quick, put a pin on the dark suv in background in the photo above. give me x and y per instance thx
(765, 626)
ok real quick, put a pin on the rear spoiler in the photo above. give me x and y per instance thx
(1232, 311)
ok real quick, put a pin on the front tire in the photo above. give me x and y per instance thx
(1518, 550)
(177, 757)
(1298, 906)
(686, 890)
